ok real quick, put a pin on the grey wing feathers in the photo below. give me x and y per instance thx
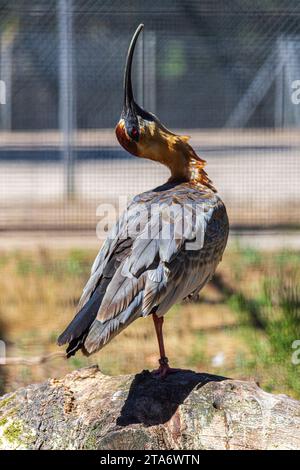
(102, 332)
(135, 274)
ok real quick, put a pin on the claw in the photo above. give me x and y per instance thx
(163, 372)
(164, 369)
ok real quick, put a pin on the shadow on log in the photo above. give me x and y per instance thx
(187, 410)
(166, 396)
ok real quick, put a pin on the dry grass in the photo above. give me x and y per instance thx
(217, 334)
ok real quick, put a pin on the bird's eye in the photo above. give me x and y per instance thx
(134, 132)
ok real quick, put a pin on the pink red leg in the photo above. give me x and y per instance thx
(164, 368)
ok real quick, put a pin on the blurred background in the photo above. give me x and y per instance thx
(226, 73)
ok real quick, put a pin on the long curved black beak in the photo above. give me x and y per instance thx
(128, 94)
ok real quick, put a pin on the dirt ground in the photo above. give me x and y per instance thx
(266, 240)
(256, 173)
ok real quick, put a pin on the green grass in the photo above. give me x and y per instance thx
(249, 317)
(274, 309)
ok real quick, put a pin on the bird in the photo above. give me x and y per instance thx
(164, 248)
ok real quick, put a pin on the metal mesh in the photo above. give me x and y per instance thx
(224, 72)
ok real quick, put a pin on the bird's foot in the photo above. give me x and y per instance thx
(164, 369)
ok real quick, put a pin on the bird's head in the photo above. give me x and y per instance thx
(134, 120)
(142, 134)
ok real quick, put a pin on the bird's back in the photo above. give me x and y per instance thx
(164, 248)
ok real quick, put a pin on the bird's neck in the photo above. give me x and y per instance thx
(175, 152)
(189, 169)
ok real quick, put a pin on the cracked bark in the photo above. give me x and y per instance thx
(187, 410)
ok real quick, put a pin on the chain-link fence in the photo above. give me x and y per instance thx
(227, 73)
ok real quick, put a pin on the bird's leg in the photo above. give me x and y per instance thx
(164, 368)
(158, 325)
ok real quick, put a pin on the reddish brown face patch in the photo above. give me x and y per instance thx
(125, 141)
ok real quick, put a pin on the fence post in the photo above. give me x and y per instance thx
(6, 47)
(150, 71)
(67, 108)
(146, 71)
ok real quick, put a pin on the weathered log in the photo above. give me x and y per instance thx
(187, 410)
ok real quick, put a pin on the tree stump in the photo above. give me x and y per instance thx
(187, 410)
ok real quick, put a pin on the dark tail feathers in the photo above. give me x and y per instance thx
(77, 330)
